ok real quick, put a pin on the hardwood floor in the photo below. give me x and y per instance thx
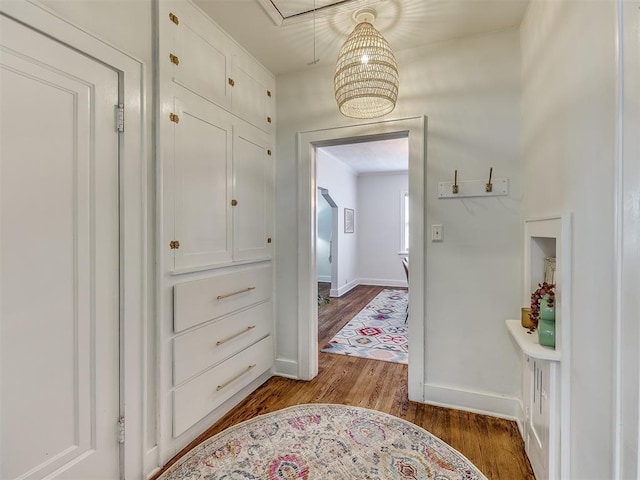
(494, 445)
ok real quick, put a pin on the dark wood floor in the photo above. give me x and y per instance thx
(492, 444)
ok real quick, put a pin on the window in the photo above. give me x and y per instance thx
(404, 222)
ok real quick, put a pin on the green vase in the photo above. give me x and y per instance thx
(547, 323)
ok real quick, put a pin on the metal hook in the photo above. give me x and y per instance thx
(489, 186)
(454, 188)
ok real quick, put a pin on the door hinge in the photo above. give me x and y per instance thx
(174, 244)
(120, 118)
(121, 430)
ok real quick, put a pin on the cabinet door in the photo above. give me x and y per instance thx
(202, 173)
(253, 94)
(253, 194)
(199, 52)
(527, 387)
(538, 445)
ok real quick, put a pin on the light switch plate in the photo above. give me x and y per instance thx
(437, 233)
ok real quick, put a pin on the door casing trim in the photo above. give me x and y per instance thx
(307, 142)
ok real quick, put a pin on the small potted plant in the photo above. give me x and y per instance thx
(543, 313)
(543, 289)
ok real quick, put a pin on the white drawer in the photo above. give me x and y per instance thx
(200, 396)
(201, 348)
(203, 300)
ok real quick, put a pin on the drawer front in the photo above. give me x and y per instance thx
(203, 300)
(200, 396)
(199, 349)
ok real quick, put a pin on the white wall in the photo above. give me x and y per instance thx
(470, 90)
(568, 131)
(379, 225)
(340, 180)
(323, 243)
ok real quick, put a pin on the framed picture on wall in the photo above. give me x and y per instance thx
(348, 220)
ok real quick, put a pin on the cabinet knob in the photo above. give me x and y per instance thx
(269, 119)
(174, 19)
(234, 203)
(231, 82)
(174, 59)
(269, 240)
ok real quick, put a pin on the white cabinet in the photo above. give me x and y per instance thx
(540, 402)
(210, 298)
(222, 186)
(253, 97)
(252, 194)
(196, 52)
(224, 342)
(198, 153)
(200, 57)
(215, 116)
(546, 372)
(198, 397)
(541, 427)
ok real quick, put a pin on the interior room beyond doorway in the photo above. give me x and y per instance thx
(362, 238)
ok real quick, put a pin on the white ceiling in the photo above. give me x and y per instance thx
(281, 36)
(390, 155)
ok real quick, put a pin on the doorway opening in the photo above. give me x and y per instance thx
(413, 129)
(327, 242)
(361, 244)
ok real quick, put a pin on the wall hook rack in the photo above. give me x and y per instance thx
(489, 187)
(473, 188)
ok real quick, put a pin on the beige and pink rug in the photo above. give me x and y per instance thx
(378, 331)
(320, 441)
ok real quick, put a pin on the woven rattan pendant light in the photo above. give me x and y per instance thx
(366, 78)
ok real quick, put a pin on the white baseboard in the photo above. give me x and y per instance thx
(470, 401)
(152, 461)
(283, 367)
(324, 278)
(378, 282)
(343, 289)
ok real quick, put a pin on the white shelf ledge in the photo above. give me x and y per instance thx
(528, 342)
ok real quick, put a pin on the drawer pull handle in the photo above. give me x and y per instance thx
(248, 329)
(227, 383)
(244, 290)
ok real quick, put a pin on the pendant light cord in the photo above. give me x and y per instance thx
(315, 58)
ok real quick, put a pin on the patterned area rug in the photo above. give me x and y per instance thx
(318, 442)
(378, 331)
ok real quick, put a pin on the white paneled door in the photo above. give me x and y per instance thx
(59, 261)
